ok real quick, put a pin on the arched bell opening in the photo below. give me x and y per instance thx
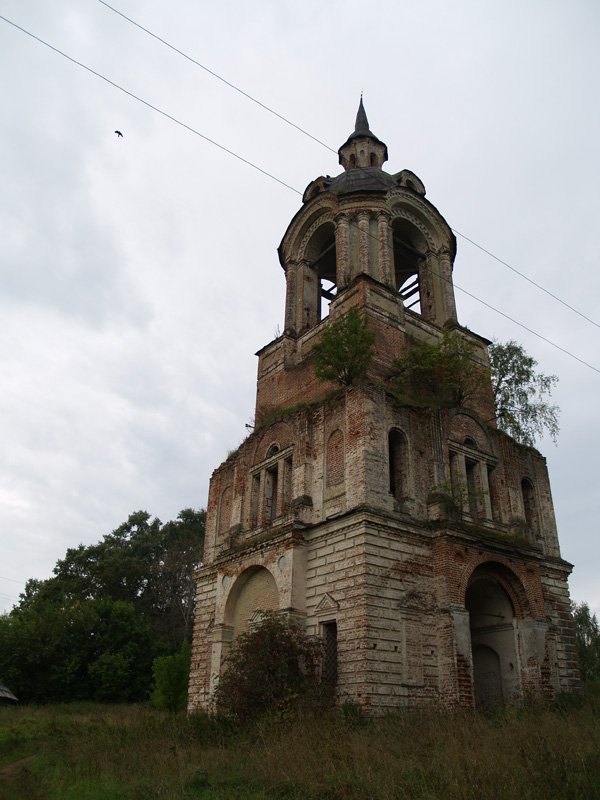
(409, 254)
(496, 677)
(321, 254)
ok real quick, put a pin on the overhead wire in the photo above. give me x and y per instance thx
(331, 149)
(526, 277)
(268, 174)
(149, 105)
(12, 580)
(217, 76)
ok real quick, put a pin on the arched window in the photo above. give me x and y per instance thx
(335, 459)
(398, 464)
(272, 450)
(352, 160)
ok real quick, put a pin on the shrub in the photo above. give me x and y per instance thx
(273, 667)
(345, 351)
(441, 374)
(171, 675)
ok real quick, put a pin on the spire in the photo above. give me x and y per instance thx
(361, 127)
(371, 153)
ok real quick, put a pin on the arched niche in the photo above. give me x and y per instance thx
(529, 505)
(398, 464)
(334, 464)
(225, 509)
(254, 590)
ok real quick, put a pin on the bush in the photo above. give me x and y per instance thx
(345, 351)
(273, 667)
(171, 674)
(440, 374)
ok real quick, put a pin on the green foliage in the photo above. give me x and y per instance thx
(520, 393)
(442, 374)
(92, 630)
(171, 674)
(100, 649)
(587, 631)
(345, 351)
(270, 668)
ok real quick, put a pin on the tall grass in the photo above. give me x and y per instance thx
(92, 752)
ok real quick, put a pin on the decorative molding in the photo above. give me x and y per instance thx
(327, 605)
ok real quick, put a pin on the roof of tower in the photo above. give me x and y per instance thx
(360, 174)
(361, 129)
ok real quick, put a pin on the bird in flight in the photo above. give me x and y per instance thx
(119, 134)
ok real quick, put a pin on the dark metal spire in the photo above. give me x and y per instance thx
(362, 123)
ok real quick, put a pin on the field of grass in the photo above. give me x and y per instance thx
(96, 752)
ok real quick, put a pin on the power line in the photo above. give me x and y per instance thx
(149, 105)
(270, 175)
(217, 76)
(525, 327)
(331, 149)
(522, 274)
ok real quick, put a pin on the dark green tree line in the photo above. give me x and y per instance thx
(93, 629)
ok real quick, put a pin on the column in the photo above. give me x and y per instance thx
(342, 247)
(384, 233)
(363, 241)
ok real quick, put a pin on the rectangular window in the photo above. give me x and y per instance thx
(270, 494)
(472, 488)
(330, 663)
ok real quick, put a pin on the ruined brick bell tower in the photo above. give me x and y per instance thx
(333, 509)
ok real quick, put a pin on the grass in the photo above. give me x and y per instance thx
(94, 752)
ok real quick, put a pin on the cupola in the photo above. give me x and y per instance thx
(362, 149)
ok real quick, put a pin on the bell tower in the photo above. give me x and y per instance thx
(419, 543)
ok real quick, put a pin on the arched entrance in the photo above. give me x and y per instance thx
(496, 674)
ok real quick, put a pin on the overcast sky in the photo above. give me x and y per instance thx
(139, 275)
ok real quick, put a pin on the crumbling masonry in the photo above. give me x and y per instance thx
(341, 510)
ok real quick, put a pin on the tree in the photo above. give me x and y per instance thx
(439, 374)
(587, 635)
(520, 394)
(345, 351)
(98, 649)
(271, 667)
(93, 629)
(142, 562)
